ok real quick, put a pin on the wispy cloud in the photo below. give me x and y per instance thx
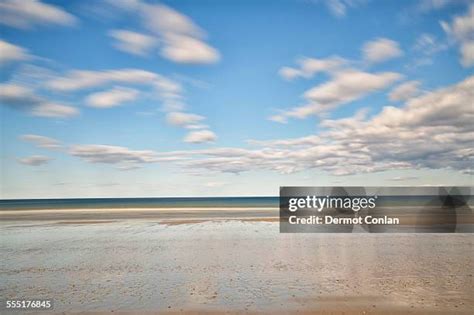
(25, 99)
(26, 14)
(431, 131)
(426, 47)
(108, 154)
(344, 87)
(35, 160)
(133, 42)
(461, 30)
(42, 141)
(181, 39)
(381, 49)
(308, 67)
(183, 119)
(405, 91)
(111, 98)
(339, 8)
(200, 136)
(10, 53)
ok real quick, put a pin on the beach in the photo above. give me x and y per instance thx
(235, 264)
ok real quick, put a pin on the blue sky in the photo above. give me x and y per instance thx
(191, 98)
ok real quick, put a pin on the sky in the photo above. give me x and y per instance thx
(135, 98)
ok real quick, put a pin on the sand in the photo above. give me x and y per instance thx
(214, 265)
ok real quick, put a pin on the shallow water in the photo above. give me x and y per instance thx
(231, 265)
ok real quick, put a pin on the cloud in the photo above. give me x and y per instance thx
(107, 154)
(183, 119)
(381, 49)
(35, 160)
(405, 91)
(169, 91)
(133, 42)
(429, 131)
(428, 44)
(53, 110)
(111, 98)
(432, 131)
(200, 136)
(42, 141)
(344, 87)
(186, 49)
(23, 98)
(339, 8)
(429, 5)
(308, 67)
(467, 52)
(425, 48)
(350, 85)
(182, 41)
(84, 79)
(26, 14)
(462, 31)
(196, 126)
(123, 158)
(10, 53)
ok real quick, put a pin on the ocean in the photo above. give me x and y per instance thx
(194, 202)
(114, 203)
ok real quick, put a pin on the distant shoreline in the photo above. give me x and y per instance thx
(139, 213)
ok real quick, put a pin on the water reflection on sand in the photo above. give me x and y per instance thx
(232, 265)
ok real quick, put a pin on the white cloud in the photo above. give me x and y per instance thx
(10, 53)
(200, 136)
(25, 14)
(425, 48)
(111, 98)
(133, 42)
(339, 8)
(182, 41)
(431, 131)
(83, 79)
(183, 119)
(54, 110)
(405, 91)
(42, 141)
(428, 44)
(429, 5)
(35, 160)
(112, 154)
(23, 98)
(350, 85)
(381, 49)
(467, 53)
(197, 126)
(187, 49)
(308, 67)
(344, 87)
(462, 30)
(123, 158)
(161, 19)
(169, 91)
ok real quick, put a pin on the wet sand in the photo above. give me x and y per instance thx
(211, 266)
